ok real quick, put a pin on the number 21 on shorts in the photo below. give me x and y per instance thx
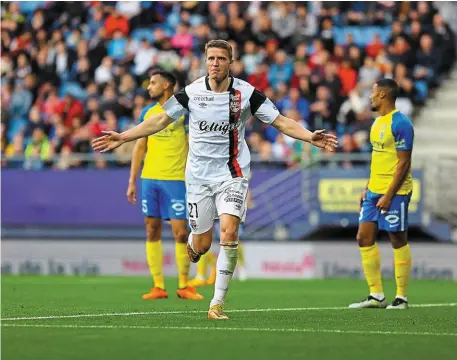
(193, 210)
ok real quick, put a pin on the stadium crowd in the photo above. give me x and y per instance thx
(72, 69)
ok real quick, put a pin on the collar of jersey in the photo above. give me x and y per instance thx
(391, 113)
(209, 87)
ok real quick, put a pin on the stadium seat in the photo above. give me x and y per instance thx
(16, 126)
(143, 33)
(422, 91)
(28, 7)
(362, 35)
(74, 89)
(123, 122)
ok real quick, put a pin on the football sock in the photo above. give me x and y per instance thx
(402, 260)
(202, 265)
(155, 262)
(240, 254)
(371, 263)
(183, 263)
(226, 263)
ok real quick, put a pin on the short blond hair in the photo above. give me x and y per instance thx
(220, 44)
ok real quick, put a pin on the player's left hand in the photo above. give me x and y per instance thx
(325, 141)
(383, 204)
(109, 141)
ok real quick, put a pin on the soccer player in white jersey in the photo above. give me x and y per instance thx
(218, 163)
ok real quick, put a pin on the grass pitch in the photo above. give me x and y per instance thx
(105, 318)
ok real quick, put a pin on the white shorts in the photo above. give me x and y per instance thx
(208, 201)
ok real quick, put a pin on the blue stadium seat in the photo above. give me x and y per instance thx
(196, 20)
(28, 7)
(16, 126)
(140, 34)
(123, 122)
(422, 90)
(173, 20)
(146, 4)
(74, 89)
(362, 35)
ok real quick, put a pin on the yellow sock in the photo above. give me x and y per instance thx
(155, 262)
(183, 262)
(402, 260)
(202, 266)
(240, 254)
(371, 263)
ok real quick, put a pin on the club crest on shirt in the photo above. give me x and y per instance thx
(235, 102)
(381, 134)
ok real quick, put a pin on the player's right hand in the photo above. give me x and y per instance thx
(110, 141)
(362, 197)
(131, 193)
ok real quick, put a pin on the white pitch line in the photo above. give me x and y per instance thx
(201, 311)
(199, 328)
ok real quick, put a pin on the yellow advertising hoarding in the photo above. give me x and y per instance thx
(343, 195)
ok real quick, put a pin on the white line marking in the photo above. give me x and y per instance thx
(336, 331)
(201, 311)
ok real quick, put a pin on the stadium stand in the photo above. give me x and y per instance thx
(72, 69)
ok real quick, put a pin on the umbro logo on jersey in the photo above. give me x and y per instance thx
(203, 105)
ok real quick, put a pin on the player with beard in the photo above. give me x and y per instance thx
(384, 202)
(163, 190)
(218, 164)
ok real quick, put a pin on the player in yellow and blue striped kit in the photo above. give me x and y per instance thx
(384, 203)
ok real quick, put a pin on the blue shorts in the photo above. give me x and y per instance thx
(396, 219)
(165, 199)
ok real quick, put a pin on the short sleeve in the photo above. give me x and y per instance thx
(403, 132)
(177, 105)
(263, 108)
(143, 113)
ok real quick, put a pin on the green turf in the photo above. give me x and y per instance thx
(415, 332)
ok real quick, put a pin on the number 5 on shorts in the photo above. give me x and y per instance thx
(193, 210)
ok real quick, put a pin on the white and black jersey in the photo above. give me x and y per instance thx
(217, 121)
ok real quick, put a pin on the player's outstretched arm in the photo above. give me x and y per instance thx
(137, 158)
(111, 140)
(293, 129)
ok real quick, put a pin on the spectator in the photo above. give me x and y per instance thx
(306, 25)
(406, 89)
(445, 40)
(322, 115)
(368, 75)
(117, 46)
(94, 24)
(238, 70)
(281, 70)
(38, 150)
(21, 101)
(415, 34)
(104, 72)
(23, 67)
(116, 21)
(260, 78)
(375, 46)
(294, 102)
(251, 58)
(182, 40)
(283, 22)
(348, 77)
(70, 108)
(83, 73)
(428, 61)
